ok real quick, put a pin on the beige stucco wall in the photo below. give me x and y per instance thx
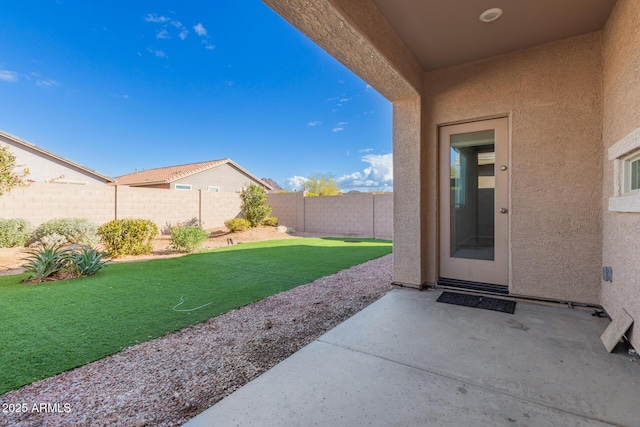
(225, 176)
(621, 231)
(43, 168)
(553, 96)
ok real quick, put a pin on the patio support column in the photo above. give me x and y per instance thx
(409, 243)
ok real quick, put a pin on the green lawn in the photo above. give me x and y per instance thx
(53, 327)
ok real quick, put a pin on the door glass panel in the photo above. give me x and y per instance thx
(472, 195)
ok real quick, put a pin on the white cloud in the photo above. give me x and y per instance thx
(343, 100)
(120, 95)
(160, 54)
(200, 30)
(208, 45)
(183, 34)
(177, 24)
(152, 17)
(337, 129)
(47, 83)
(365, 150)
(377, 176)
(295, 182)
(314, 123)
(342, 123)
(164, 34)
(9, 76)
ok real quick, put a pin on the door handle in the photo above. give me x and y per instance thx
(503, 210)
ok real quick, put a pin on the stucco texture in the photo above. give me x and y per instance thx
(621, 231)
(553, 96)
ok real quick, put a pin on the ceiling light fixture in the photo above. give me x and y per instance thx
(491, 15)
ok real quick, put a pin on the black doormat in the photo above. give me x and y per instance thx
(477, 301)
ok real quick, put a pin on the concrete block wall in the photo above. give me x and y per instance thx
(40, 202)
(359, 214)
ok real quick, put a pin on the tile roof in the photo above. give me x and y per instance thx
(170, 174)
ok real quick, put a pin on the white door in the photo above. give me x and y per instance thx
(474, 202)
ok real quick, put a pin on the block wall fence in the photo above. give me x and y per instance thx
(361, 214)
(358, 214)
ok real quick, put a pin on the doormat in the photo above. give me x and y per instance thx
(477, 301)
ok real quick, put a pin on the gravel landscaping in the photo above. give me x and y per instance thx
(167, 381)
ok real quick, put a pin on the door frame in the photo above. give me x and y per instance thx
(493, 272)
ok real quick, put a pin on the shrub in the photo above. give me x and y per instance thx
(237, 224)
(188, 238)
(14, 232)
(50, 240)
(272, 221)
(87, 261)
(128, 236)
(78, 231)
(254, 204)
(45, 262)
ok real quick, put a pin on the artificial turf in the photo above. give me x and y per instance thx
(52, 327)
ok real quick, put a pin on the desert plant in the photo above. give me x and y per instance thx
(9, 178)
(237, 224)
(78, 231)
(45, 262)
(254, 204)
(14, 232)
(50, 240)
(128, 236)
(188, 238)
(272, 221)
(87, 261)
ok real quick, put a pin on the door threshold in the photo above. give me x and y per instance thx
(487, 288)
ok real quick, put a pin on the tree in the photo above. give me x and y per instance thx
(254, 204)
(9, 179)
(321, 185)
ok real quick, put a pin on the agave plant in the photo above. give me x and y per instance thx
(46, 261)
(87, 261)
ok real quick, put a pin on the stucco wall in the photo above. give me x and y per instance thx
(225, 176)
(43, 168)
(621, 231)
(553, 95)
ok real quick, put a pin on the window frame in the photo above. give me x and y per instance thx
(176, 187)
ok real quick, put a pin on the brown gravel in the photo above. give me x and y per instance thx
(167, 381)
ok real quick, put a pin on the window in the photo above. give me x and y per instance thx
(632, 174)
(183, 187)
(625, 155)
(214, 189)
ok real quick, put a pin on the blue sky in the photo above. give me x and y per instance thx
(118, 86)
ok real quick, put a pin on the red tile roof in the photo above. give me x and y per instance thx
(170, 174)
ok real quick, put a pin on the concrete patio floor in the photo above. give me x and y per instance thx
(407, 360)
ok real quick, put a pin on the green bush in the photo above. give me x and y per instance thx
(237, 224)
(188, 238)
(254, 204)
(272, 221)
(14, 232)
(78, 231)
(128, 236)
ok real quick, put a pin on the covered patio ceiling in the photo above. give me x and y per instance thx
(391, 43)
(442, 33)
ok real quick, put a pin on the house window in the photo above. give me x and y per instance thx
(632, 174)
(625, 155)
(214, 189)
(183, 187)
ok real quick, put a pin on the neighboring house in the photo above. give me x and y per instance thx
(516, 143)
(274, 185)
(45, 166)
(215, 176)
